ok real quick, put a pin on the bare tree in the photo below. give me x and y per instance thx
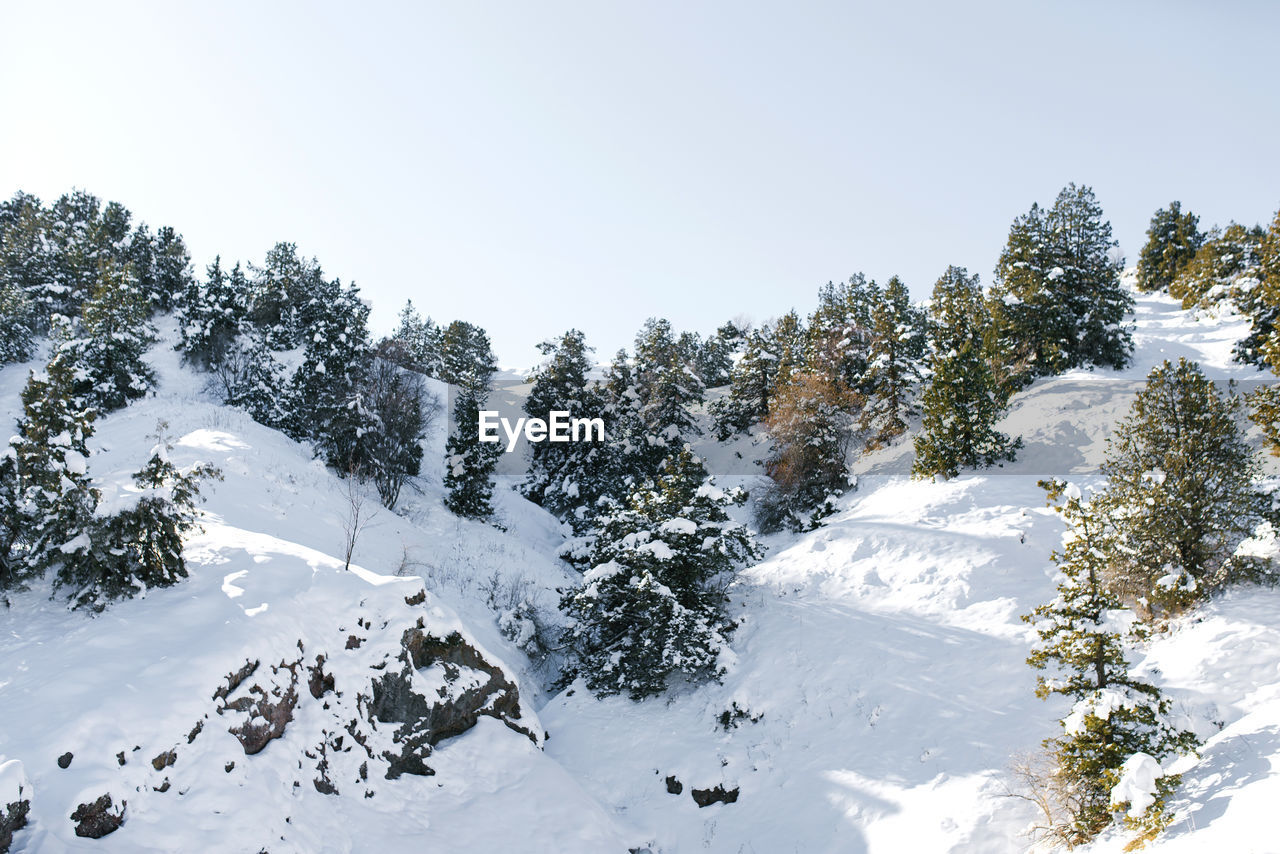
(403, 412)
(359, 512)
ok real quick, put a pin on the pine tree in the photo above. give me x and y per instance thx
(107, 349)
(51, 457)
(668, 387)
(24, 267)
(838, 335)
(137, 545)
(652, 607)
(962, 400)
(325, 401)
(751, 383)
(566, 478)
(1225, 262)
(1172, 241)
(895, 358)
(1263, 344)
(1116, 716)
(468, 364)
(469, 463)
(212, 314)
(714, 360)
(415, 344)
(1058, 302)
(1180, 492)
(283, 291)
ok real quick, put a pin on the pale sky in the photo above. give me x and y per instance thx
(536, 166)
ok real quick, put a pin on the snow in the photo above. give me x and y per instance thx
(876, 695)
(1137, 786)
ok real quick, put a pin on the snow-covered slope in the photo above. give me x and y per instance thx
(878, 696)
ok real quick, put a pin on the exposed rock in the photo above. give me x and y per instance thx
(354, 642)
(234, 679)
(268, 710)
(195, 730)
(163, 787)
(674, 786)
(718, 795)
(95, 820)
(417, 598)
(164, 760)
(471, 687)
(120, 757)
(13, 816)
(319, 683)
(64, 761)
(229, 767)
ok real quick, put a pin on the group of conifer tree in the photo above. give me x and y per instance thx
(1171, 526)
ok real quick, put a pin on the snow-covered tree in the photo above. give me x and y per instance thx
(894, 363)
(962, 400)
(415, 344)
(1181, 491)
(24, 268)
(325, 404)
(1058, 302)
(567, 478)
(468, 364)
(1116, 718)
(668, 386)
(105, 350)
(652, 606)
(770, 353)
(1172, 241)
(212, 314)
(283, 291)
(51, 461)
(136, 543)
(1223, 268)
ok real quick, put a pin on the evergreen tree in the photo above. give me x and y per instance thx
(668, 387)
(1058, 302)
(1180, 493)
(415, 344)
(283, 289)
(50, 459)
(1221, 269)
(1263, 344)
(106, 351)
(751, 384)
(1116, 716)
(962, 400)
(714, 360)
(469, 463)
(895, 358)
(566, 478)
(1172, 241)
(812, 428)
(172, 272)
(468, 364)
(325, 401)
(212, 314)
(138, 545)
(839, 334)
(248, 376)
(652, 607)
(24, 269)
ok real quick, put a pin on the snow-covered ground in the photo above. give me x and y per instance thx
(878, 696)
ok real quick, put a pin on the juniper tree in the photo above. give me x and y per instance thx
(1172, 241)
(1082, 634)
(962, 400)
(1181, 493)
(1058, 302)
(895, 358)
(652, 607)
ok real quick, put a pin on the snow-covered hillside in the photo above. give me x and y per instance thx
(878, 695)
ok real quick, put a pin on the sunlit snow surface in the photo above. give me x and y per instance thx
(878, 694)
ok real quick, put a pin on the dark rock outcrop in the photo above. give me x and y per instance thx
(471, 687)
(13, 817)
(95, 820)
(718, 795)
